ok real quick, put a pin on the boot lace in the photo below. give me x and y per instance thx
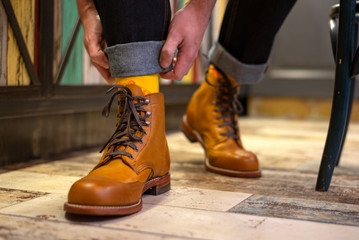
(227, 104)
(129, 128)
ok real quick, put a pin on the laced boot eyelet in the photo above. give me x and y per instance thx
(148, 123)
(147, 101)
(148, 113)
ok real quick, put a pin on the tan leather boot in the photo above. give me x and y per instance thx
(212, 119)
(135, 159)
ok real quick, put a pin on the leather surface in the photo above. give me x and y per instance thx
(120, 181)
(222, 151)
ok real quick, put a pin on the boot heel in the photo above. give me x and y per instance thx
(187, 131)
(158, 190)
(163, 185)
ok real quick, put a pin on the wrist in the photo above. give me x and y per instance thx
(203, 7)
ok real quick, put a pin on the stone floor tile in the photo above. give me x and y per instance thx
(174, 221)
(20, 228)
(197, 198)
(39, 182)
(202, 224)
(51, 205)
(66, 168)
(289, 183)
(303, 209)
(10, 197)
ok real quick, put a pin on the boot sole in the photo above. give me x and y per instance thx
(193, 136)
(155, 186)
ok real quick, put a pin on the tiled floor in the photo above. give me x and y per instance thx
(282, 204)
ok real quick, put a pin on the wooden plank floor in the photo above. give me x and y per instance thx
(282, 204)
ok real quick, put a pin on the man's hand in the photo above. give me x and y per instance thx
(185, 34)
(93, 38)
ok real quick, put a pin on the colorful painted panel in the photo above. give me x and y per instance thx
(3, 45)
(73, 72)
(16, 71)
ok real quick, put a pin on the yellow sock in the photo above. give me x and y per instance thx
(147, 83)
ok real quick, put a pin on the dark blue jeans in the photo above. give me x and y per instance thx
(249, 28)
(126, 21)
(246, 38)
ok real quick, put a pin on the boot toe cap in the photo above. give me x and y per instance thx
(102, 191)
(239, 160)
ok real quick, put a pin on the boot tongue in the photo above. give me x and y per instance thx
(136, 90)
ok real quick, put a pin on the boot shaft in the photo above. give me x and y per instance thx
(212, 109)
(142, 118)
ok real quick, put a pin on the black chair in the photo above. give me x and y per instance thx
(344, 43)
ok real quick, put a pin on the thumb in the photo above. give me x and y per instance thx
(97, 55)
(168, 50)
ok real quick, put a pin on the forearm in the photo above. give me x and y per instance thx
(87, 12)
(204, 8)
(93, 37)
(91, 23)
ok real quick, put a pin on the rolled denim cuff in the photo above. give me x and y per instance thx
(135, 59)
(241, 72)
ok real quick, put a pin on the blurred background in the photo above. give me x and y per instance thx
(51, 96)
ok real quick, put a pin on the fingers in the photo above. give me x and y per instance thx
(185, 58)
(105, 73)
(99, 60)
(182, 66)
(98, 56)
(169, 48)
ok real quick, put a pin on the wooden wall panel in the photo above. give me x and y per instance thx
(16, 70)
(57, 35)
(73, 74)
(3, 45)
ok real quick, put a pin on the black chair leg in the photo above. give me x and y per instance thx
(341, 98)
(351, 97)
